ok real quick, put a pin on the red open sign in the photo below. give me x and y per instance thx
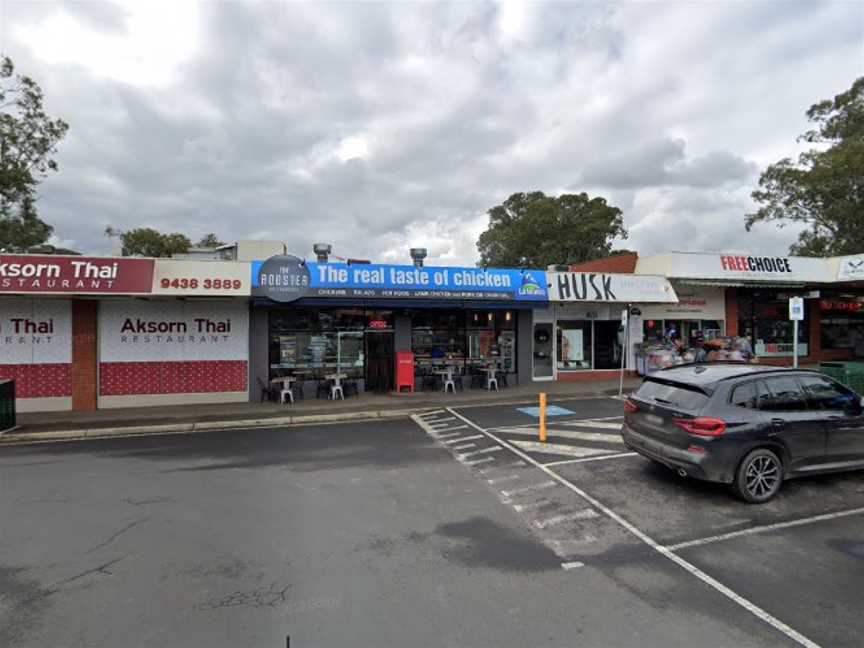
(378, 324)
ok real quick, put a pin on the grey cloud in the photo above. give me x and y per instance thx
(663, 162)
(456, 114)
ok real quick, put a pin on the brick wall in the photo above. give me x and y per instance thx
(84, 345)
(732, 311)
(622, 263)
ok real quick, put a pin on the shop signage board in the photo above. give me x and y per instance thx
(851, 269)
(395, 282)
(747, 267)
(608, 287)
(74, 275)
(201, 278)
(702, 303)
(35, 331)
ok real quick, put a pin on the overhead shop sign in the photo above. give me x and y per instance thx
(201, 278)
(283, 280)
(851, 269)
(750, 267)
(88, 275)
(607, 287)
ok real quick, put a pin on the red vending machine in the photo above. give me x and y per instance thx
(404, 370)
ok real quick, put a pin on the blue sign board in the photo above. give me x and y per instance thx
(404, 281)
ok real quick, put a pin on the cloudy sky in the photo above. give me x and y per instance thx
(377, 127)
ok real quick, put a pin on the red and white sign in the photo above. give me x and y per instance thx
(739, 267)
(847, 306)
(76, 275)
(36, 346)
(173, 347)
(217, 278)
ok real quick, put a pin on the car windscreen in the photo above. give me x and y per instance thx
(679, 396)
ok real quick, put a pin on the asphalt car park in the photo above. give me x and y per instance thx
(450, 529)
(795, 562)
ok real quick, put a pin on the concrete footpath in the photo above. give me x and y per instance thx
(55, 426)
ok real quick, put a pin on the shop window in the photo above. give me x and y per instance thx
(311, 343)
(574, 345)
(765, 320)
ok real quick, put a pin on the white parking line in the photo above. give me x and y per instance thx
(572, 565)
(764, 529)
(449, 428)
(432, 413)
(447, 436)
(710, 581)
(532, 505)
(614, 439)
(593, 423)
(584, 514)
(499, 480)
(483, 451)
(558, 448)
(464, 446)
(478, 461)
(515, 464)
(584, 459)
(528, 489)
(468, 438)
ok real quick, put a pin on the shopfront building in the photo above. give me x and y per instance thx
(80, 333)
(756, 292)
(593, 322)
(312, 319)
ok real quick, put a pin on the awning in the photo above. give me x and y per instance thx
(738, 284)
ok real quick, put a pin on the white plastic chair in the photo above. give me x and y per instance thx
(491, 381)
(289, 394)
(336, 389)
(451, 384)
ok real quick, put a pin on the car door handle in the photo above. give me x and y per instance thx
(778, 423)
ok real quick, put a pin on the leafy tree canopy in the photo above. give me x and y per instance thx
(209, 241)
(536, 230)
(147, 242)
(28, 142)
(824, 189)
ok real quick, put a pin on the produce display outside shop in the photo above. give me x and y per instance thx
(658, 354)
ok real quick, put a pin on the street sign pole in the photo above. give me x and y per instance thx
(796, 314)
(795, 343)
(625, 322)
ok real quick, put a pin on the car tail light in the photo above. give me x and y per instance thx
(630, 406)
(702, 426)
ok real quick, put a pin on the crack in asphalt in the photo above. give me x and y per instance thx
(256, 598)
(117, 534)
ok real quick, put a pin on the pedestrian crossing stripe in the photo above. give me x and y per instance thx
(566, 434)
(557, 448)
(600, 425)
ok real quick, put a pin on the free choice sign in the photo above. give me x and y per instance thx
(400, 281)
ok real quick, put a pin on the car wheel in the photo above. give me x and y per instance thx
(759, 476)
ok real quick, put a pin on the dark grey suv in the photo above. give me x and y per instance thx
(746, 425)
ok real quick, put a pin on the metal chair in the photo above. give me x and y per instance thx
(267, 391)
(286, 392)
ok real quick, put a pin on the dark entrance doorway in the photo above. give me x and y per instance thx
(380, 359)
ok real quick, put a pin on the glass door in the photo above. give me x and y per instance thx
(543, 352)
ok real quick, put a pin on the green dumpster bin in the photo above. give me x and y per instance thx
(7, 405)
(850, 374)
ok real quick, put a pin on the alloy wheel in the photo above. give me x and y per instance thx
(762, 477)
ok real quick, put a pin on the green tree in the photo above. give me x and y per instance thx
(536, 230)
(209, 241)
(824, 190)
(28, 142)
(147, 242)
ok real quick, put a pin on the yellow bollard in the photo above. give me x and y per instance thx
(542, 417)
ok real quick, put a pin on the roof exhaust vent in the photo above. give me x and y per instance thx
(322, 251)
(418, 254)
